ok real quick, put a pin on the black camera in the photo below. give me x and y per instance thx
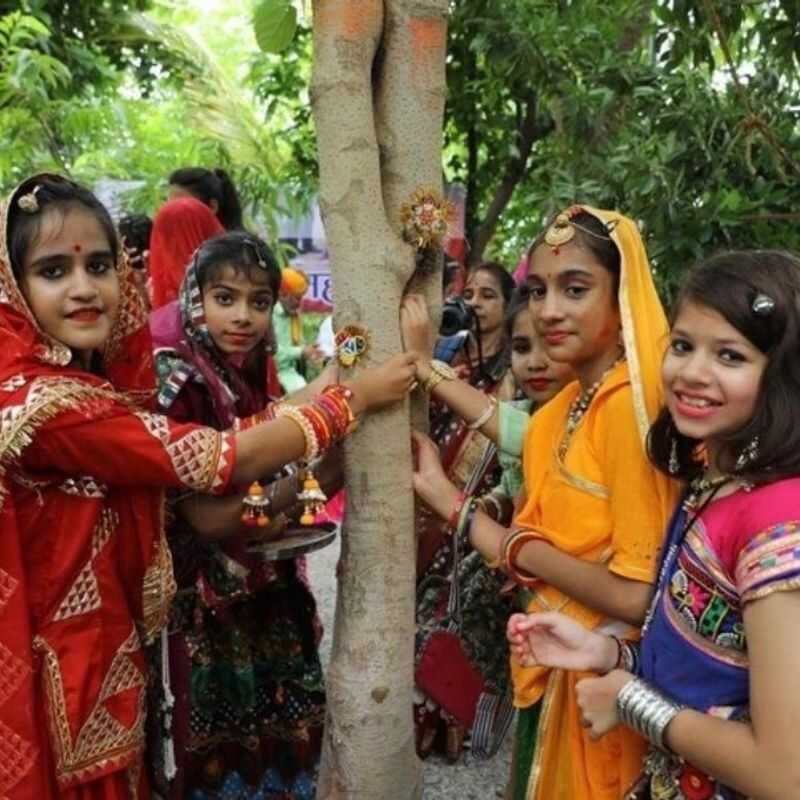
(457, 315)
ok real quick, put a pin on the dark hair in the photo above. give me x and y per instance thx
(135, 230)
(519, 302)
(242, 251)
(207, 185)
(597, 241)
(501, 275)
(729, 284)
(58, 193)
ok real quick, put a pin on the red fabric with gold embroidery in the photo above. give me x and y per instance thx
(85, 573)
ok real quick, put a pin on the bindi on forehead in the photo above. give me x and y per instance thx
(77, 248)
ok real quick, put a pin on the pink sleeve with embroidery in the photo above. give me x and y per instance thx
(134, 448)
(769, 562)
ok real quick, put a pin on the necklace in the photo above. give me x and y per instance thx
(578, 408)
(702, 485)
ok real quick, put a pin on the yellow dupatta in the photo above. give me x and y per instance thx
(603, 502)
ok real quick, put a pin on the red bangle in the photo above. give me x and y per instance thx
(511, 548)
(455, 514)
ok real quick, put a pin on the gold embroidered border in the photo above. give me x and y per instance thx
(102, 740)
(554, 683)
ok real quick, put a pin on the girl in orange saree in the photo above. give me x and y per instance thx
(586, 539)
(85, 573)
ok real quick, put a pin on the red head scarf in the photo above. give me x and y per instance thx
(180, 227)
(67, 671)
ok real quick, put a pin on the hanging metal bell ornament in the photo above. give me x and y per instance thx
(255, 505)
(312, 497)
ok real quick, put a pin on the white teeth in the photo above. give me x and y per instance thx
(697, 402)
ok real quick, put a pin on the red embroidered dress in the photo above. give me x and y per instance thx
(85, 573)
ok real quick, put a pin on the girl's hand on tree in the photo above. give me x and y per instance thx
(419, 336)
(430, 481)
(554, 640)
(597, 700)
(382, 385)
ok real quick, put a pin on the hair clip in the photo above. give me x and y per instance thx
(29, 202)
(257, 253)
(763, 305)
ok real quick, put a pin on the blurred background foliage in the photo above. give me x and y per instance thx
(683, 113)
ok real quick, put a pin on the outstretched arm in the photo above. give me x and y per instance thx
(592, 584)
(418, 339)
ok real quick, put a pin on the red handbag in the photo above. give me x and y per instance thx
(448, 677)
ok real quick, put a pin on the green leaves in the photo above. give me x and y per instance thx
(274, 22)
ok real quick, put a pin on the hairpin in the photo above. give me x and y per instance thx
(29, 202)
(259, 258)
(763, 305)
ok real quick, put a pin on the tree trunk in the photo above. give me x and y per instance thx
(378, 91)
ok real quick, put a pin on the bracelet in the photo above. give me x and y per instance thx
(455, 514)
(628, 656)
(440, 371)
(646, 711)
(485, 415)
(295, 414)
(466, 517)
(511, 547)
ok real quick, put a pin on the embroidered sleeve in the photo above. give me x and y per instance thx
(769, 562)
(129, 448)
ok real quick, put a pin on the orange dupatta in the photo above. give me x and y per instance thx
(602, 502)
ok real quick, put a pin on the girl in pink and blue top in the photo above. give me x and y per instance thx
(713, 683)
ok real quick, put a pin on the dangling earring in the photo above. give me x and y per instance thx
(749, 454)
(674, 465)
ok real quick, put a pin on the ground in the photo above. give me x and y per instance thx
(471, 780)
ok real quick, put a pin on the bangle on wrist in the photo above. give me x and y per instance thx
(510, 552)
(647, 711)
(455, 513)
(440, 371)
(466, 517)
(485, 415)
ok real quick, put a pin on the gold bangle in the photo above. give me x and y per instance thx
(485, 415)
(440, 371)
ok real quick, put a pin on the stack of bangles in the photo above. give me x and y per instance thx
(323, 421)
(646, 711)
(508, 552)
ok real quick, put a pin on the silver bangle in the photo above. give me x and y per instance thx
(646, 710)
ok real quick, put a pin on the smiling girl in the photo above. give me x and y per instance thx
(587, 536)
(85, 572)
(713, 683)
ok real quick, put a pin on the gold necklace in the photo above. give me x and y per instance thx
(578, 408)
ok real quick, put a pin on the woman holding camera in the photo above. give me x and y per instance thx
(478, 353)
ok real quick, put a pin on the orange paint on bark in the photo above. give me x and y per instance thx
(427, 34)
(353, 19)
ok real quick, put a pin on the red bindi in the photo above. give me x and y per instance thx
(76, 248)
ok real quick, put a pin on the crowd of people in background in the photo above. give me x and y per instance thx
(608, 522)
